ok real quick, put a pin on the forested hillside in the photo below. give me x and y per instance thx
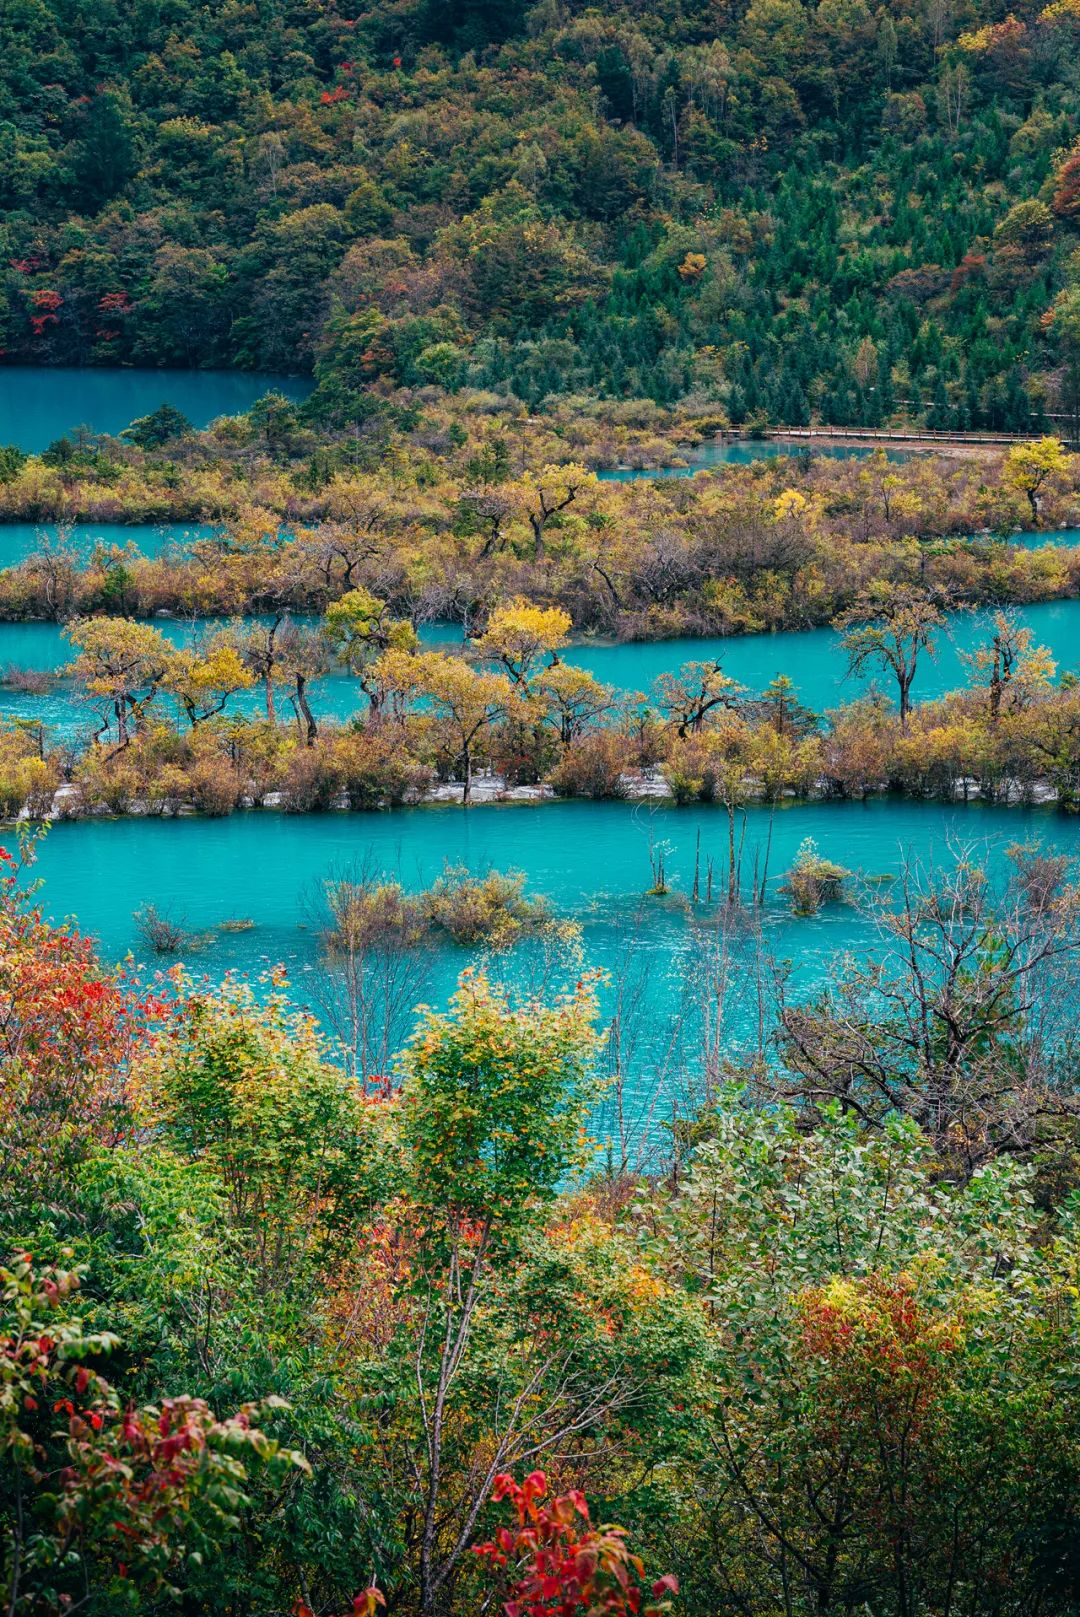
(782, 210)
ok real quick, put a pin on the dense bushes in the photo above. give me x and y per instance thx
(816, 1354)
(773, 545)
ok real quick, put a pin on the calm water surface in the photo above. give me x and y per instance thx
(39, 404)
(707, 456)
(591, 860)
(1064, 538)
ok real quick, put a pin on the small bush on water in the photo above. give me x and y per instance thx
(367, 915)
(489, 909)
(163, 932)
(28, 681)
(813, 881)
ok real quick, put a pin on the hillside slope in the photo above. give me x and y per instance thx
(788, 210)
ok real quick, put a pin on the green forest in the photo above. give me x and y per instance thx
(844, 211)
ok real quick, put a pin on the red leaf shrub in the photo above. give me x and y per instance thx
(558, 1565)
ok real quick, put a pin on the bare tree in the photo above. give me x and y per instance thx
(966, 1018)
(339, 552)
(890, 626)
(55, 566)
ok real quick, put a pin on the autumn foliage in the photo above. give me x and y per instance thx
(109, 1494)
(554, 1563)
(68, 1025)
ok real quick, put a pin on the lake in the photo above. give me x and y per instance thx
(18, 540)
(40, 404)
(812, 658)
(590, 860)
(1064, 538)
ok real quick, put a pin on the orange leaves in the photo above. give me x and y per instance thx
(693, 266)
(69, 1028)
(1066, 200)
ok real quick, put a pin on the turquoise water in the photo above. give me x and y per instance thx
(18, 540)
(1064, 538)
(812, 658)
(591, 860)
(40, 404)
(42, 646)
(707, 456)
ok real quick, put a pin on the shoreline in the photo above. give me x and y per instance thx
(489, 790)
(912, 444)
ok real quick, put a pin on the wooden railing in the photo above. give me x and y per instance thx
(914, 436)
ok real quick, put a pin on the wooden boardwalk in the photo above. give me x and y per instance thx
(890, 436)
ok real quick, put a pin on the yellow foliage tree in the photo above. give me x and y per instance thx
(520, 634)
(1028, 466)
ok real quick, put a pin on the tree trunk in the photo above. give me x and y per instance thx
(996, 683)
(302, 703)
(268, 666)
(905, 701)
